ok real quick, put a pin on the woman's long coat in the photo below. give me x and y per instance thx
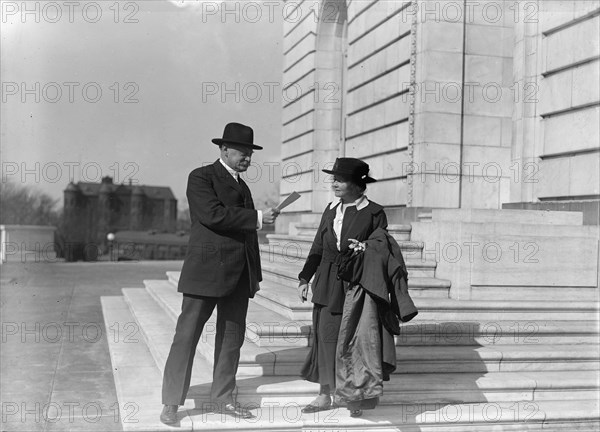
(377, 300)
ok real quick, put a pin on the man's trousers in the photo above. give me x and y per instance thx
(231, 327)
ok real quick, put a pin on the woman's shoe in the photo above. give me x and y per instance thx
(356, 413)
(321, 403)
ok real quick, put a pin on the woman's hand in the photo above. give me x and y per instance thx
(303, 290)
(356, 246)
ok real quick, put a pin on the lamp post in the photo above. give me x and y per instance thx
(111, 238)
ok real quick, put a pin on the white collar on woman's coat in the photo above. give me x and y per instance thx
(360, 204)
(340, 209)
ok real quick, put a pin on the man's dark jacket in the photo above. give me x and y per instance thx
(223, 240)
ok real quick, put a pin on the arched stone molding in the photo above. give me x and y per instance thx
(330, 66)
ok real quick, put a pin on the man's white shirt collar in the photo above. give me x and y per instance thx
(231, 171)
(236, 177)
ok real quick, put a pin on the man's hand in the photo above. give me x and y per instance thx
(269, 215)
(302, 291)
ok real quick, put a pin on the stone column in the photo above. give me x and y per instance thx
(463, 105)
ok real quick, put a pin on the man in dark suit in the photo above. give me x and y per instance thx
(221, 268)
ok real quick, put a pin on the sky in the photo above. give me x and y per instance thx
(136, 90)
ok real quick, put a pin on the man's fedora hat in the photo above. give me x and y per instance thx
(236, 133)
(354, 169)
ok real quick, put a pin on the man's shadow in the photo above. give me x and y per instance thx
(437, 369)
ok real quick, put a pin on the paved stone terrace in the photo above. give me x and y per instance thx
(55, 364)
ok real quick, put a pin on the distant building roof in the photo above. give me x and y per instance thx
(154, 192)
(72, 188)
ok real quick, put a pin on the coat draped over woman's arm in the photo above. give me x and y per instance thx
(375, 303)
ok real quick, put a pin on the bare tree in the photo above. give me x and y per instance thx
(23, 205)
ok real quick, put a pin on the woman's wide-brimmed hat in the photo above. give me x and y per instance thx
(354, 169)
(237, 133)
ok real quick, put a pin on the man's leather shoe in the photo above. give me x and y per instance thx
(169, 414)
(235, 411)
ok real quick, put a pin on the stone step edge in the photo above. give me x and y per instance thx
(300, 330)
(257, 313)
(525, 323)
(251, 354)
(404, 244)
(497, 382)
(290, 271)
(115, 310)
(390, 227)
(290, 279)
(282, 294)
(292, 275)
(411, 263)
(577, 411)
(138, 380)
(433, 304)
(449, 304)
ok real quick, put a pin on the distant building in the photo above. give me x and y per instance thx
(92, 210)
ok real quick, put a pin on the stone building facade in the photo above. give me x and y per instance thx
(454, 104)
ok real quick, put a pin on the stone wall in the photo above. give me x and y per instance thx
(453, 104)
(556, 122)
(27, 243)
(482, 251)
(350, 66)
(299, 110)
(462, 104)
(377, 101)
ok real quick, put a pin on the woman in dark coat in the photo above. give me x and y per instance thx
(344, 226)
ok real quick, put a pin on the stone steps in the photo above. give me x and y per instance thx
(462, 365)
(399, 231)
(425, 216)
(475, 333)
(264, 327)
(277, 254)
(497, 358)
(267, 329)
(534, 293)
(147, 304)
(138, 378)
(279, 291)
(403, 388)
(410, 249)
(287, 274)
(283, 299)
(454, 388)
